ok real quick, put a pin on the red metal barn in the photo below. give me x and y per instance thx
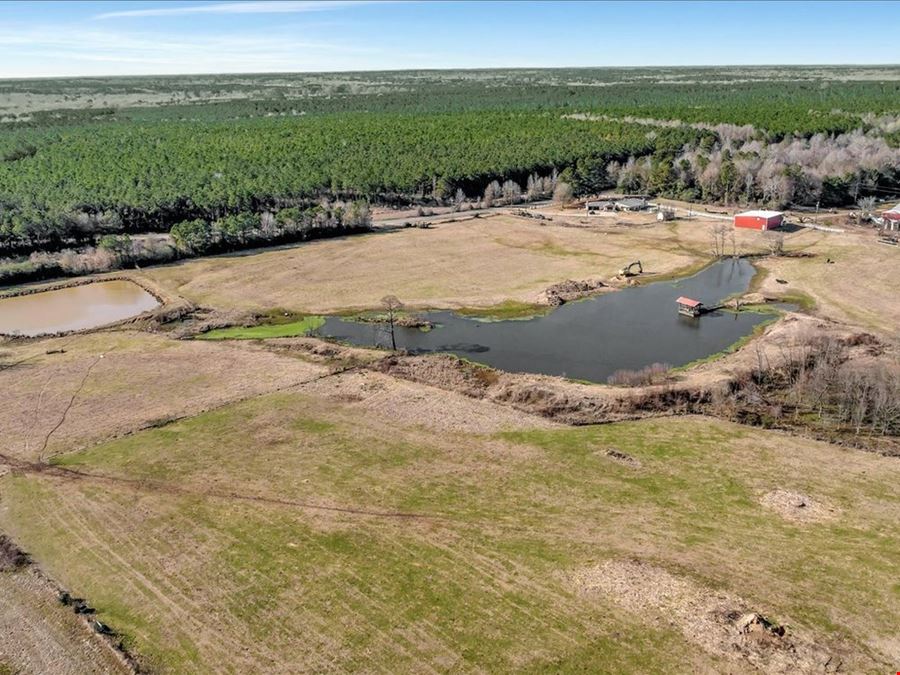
(759, 220)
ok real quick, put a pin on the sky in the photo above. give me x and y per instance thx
(49, 39)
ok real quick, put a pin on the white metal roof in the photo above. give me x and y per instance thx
(761, 214)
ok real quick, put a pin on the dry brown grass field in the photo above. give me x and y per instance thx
(275, 506)
(855, 288)
(478, 262)
(488, 261)
(109, 383)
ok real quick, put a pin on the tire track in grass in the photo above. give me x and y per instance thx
(202, 606)
(253, 578)
(485, 567)
(140, 582)
(105, 552)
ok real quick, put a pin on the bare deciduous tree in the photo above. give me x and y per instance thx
(492, 192)
(459, 199)
(774, 242)
(718, 235)
(511, 191)
(562, 193)
(392, 306)
(866, 206)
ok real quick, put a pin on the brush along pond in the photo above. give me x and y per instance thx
(590, 339)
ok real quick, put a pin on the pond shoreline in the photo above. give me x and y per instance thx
(588, 338)
(167, 308)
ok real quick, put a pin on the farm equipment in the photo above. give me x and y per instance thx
(626, 271)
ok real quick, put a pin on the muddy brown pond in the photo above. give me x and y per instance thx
(589, 339)
(73, 308)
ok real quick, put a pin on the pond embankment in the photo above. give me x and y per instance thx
(84, 304)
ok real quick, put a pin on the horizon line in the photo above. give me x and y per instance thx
(450, 69)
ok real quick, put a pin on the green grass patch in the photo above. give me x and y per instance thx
(756, 282)
(801, 299)
(506, 310)
(268, 330)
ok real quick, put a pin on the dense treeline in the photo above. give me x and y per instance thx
(82, 159)
(794, 107)
(739, 168)
(85, 181)
(191, 238)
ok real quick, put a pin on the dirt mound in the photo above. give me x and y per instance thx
(622, 457)
(796, 506)
(569, 290)
(320, 351)
(443, 370)
(717, 622)
(750, 299)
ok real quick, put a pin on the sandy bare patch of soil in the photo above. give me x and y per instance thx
(718, 622)
(476, 262)
(40, 635)
(412, 404)
(797, 507)
(103, 385)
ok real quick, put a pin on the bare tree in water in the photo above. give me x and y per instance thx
(718, 235)
(392, 306)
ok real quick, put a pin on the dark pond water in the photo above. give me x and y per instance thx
(590, 339)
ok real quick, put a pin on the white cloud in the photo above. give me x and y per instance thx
(261, 7)
(64, 51)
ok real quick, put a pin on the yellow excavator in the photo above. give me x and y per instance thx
(627, 270)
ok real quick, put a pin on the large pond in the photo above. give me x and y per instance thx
(73, 308)
(589, 339)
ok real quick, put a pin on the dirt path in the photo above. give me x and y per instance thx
(66, 473)
(40, 635)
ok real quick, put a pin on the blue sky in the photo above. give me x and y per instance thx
(43, 39)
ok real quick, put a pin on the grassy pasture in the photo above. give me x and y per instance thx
(289, 529)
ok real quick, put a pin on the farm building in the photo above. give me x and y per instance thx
(599, 205)
(759, 220)
(631, 204)
(890, 220)
(689, 306)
